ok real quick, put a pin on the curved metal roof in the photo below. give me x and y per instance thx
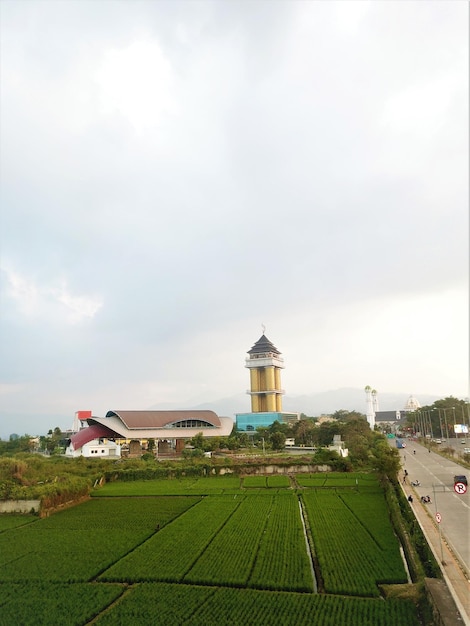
(95, 431)
(163, 419)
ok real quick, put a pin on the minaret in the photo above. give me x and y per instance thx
(375, 402)
(265, 364)
(370, 409)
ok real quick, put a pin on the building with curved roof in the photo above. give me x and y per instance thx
(169, 429)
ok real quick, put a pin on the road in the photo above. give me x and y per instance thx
(436, 475)
(450, 539)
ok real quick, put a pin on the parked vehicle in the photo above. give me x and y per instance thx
(460, 478)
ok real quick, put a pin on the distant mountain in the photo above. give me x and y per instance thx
(326, 402)
(313, 404)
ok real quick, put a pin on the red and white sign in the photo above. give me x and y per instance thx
(438, 518)
(460, 488)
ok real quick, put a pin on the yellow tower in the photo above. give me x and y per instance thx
(265, 364)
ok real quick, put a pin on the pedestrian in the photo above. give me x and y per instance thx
(414, 451)
(406, 473)
(410, 498)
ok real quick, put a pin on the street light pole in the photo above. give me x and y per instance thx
(447, 427)
(430, 424)
(440, 422)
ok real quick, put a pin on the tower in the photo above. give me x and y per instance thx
(375, 401)
(265, 364)
(370, 413)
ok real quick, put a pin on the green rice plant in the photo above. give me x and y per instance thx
(171, 552)
(351, 560)
(282, 560)
(255, 607)
(278, 480)
(229, 558)
(166, 487)
(156, 487)
(78, 543)
(254, 481)
(215, 484)
(54, 604)
(156, 603)
(372, 512)
(173, 605)
(12, 520)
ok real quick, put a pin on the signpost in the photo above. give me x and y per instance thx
(438, 518)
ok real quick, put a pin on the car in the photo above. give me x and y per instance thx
(460, 478)
(463, 442)
(466, 450)
(437, 440)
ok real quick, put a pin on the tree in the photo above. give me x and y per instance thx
(305, 432)
(345, 416)
(198, 441)
(278, 427)
(358, 438)
(278, 440)
(386, 459)
(326, 433)
(438, 419)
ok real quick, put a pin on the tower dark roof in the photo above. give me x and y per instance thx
(263, 345)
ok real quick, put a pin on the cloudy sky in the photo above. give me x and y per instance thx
(176, 174)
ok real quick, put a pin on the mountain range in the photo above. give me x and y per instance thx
(313, 404)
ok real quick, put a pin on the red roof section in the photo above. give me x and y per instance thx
(92, 432)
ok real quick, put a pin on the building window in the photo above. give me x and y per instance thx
(191, 424)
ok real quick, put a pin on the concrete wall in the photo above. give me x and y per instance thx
(19, 506)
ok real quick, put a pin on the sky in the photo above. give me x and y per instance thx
(177, 174)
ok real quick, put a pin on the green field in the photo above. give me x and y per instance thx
(214, 550)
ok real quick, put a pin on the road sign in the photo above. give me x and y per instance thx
(438, 518)
(460, 488)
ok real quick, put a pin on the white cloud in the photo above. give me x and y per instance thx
(421, 110)
(48, 301)
(79, 307)
(137, 82)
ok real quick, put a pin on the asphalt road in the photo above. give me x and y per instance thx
(436, 476)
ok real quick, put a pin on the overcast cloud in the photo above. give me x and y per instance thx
(175, 174)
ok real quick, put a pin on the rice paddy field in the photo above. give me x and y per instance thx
(218, 550)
